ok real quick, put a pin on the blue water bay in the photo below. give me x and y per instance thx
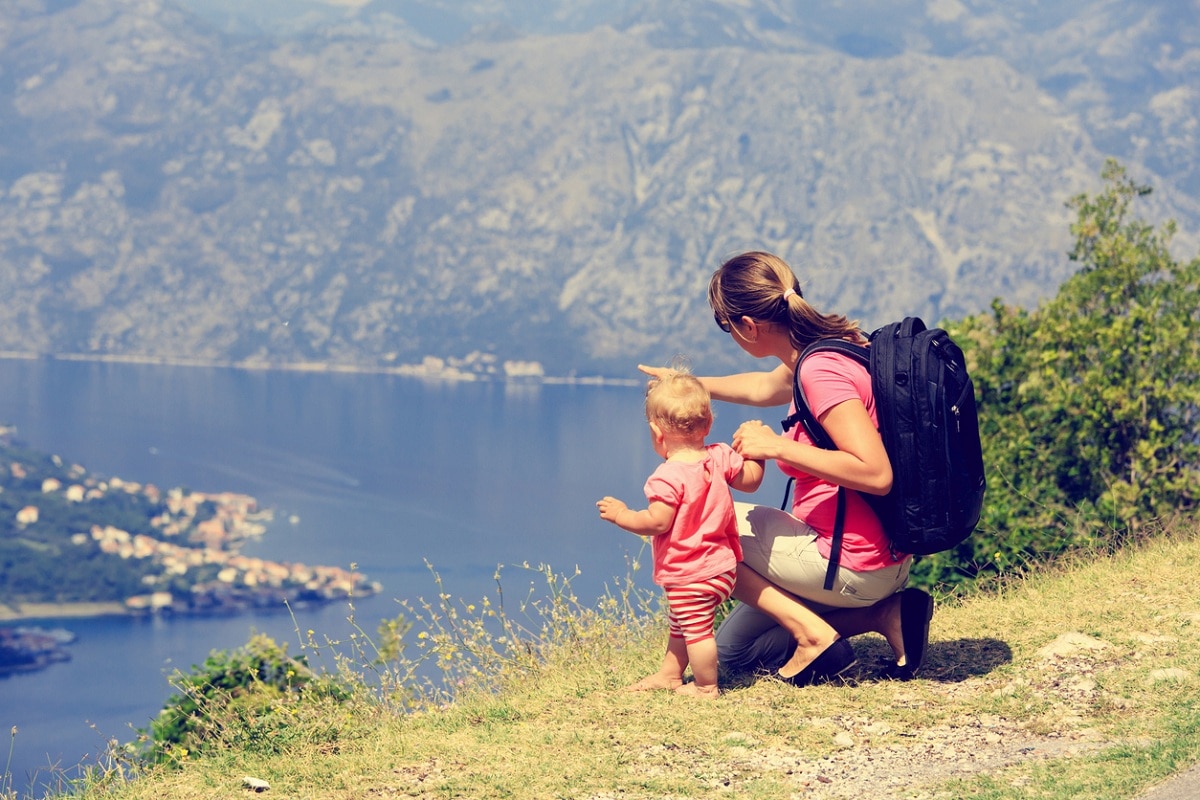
(390, 474)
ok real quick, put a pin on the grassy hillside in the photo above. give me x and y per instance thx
(1078, 681)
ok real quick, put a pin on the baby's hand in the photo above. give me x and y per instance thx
(610, 508)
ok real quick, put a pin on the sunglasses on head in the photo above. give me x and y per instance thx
(723, 323)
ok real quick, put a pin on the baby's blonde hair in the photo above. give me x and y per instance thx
(678, 403)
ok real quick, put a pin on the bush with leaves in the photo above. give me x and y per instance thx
(1089, 405)
(247, 698)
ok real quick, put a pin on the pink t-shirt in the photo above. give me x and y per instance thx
(829, 379)
(703, 539)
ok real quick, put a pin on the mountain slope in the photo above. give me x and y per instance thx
(360, 199)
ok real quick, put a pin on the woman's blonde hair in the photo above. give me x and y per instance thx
(756, 285)
(678, 403)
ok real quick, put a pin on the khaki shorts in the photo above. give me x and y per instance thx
(783, 549)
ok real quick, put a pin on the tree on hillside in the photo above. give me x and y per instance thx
(1089, 405)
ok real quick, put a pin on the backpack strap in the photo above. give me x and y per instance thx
(803, 415)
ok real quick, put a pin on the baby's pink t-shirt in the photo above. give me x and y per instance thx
(703, 539)
(829, 379)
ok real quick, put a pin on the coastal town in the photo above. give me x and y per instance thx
(187, 559)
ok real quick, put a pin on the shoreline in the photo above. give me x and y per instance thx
(23, 612)
(418, 371)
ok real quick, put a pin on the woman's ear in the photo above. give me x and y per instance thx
(747, 329)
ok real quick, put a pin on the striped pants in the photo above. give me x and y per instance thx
(692, 607)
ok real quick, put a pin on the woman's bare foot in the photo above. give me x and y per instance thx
(892, 625)
(804, 655)
(710, 692)
(656, 682)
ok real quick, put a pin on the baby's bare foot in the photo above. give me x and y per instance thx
(710, 692)
(655, 682)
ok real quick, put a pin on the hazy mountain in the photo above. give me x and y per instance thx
(370, 184)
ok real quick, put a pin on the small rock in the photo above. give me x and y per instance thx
(1069, 643)
(1171, 674)
(255, 784)
(1147, 638)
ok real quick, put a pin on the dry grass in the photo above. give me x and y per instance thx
(994, 715)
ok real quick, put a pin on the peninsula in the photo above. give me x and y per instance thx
(73, 543)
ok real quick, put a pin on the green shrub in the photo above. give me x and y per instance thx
(246, 698)
(1089, 404)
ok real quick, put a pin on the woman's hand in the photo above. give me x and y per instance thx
(755, 440)
(656, 372)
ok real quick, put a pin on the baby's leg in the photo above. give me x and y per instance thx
(702, 655)
(695, 606)
(670, 674)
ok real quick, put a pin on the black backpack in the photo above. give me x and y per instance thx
(925, 404)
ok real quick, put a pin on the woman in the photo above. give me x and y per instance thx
(786, 620)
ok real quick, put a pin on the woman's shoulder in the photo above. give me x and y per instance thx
(831, 378)
(830, 363)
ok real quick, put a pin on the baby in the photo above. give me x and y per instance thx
(690, 520)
